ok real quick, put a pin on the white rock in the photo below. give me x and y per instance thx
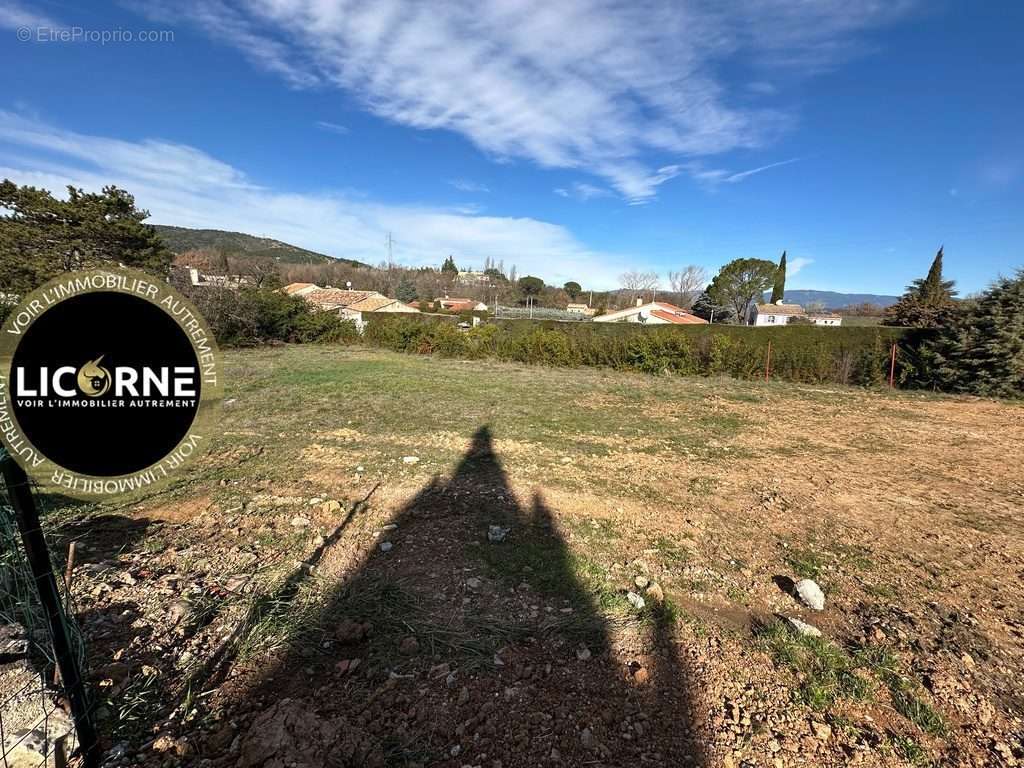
(410, 459)
(803, 628)
(473, 583)
(583, 653)
(300, 522)
(635, 600)
(385, 546)
(496, 533)
(810, 594)
(641, 581)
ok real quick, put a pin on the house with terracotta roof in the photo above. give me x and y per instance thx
(461, 305)
(351, 305)
(652, 313)
(300, 289)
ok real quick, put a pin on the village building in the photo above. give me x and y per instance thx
(652, 313)
(300, 289)
(350, 305)
(780, 313)
(581, 309)
(826, 319)
(460, 305)
(774, 314)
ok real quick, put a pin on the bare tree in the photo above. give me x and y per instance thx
(688, 283)
(638, 283)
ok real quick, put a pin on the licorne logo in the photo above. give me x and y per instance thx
(120, 356)
(94, 379)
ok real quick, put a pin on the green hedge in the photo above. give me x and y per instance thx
(800, 353)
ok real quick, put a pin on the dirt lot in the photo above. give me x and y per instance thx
(325, 590)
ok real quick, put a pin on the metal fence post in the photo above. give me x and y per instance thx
(27, 515)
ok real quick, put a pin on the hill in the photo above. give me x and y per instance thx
(835, 300)
(181, 239)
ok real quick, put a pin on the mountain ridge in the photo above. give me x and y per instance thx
(834, 299)
(181, 239)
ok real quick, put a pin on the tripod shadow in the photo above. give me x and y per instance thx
(473, 636)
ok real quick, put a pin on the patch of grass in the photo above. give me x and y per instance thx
(670, 551)
(919, 712)
(805, 563)
(736, 595)
(701, 486)
(826, 671)
(909, 750)
(883, 591)
(903, 689)
(856, 555)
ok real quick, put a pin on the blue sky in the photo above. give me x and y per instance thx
(576, 139)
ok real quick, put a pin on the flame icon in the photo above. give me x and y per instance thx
(93, 379)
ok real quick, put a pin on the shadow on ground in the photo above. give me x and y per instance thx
(451, 650)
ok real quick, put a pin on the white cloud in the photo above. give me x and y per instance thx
(14, 15)
(582, 191)
(588, 84)
(795, 266)
(467, 185)
(325, 125)
(184, 186)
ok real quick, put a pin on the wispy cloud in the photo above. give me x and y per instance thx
(580, 190)
(796, 265)
(735, 177)
(468, 185)
(634, 80)
(325, 125)
(14, 15)
(184, 186)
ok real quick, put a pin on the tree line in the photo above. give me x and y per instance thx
(965, 345)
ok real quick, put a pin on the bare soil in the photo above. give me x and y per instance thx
(314, 597)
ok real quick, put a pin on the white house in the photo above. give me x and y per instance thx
(652, 313)
(781, 314)
(203, 280)
(580, 309)
(826, 319)
(774, 314)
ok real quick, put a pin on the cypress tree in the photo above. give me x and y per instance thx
(933, 290)
(927, 302)
(779, 289)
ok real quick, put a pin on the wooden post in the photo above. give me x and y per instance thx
(892, 367)
(768, 361)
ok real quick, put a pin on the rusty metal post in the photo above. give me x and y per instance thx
(27, 515)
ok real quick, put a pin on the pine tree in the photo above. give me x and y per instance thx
(449, 267)
(779, 289)
(982, 349)
(42, 236)
(406, 290)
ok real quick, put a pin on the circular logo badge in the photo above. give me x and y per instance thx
(108, 381)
